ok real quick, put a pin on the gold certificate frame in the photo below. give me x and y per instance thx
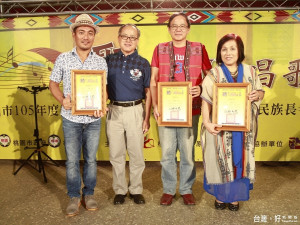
(174, 104)
(88, 91)
(231, 106)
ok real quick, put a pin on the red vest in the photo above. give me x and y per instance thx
(192, 66)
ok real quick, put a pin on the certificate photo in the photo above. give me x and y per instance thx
(88, 91)
(174, 104)
(231, 106)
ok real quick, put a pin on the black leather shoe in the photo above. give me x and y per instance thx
(220, 205)
(234, 207)
(119, 199)
(138, 198)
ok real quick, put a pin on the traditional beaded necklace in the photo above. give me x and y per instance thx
(234, 74)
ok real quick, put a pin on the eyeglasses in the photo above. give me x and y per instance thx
(125, 38)
(181, 27)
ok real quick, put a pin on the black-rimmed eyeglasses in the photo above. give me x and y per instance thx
(125, 38)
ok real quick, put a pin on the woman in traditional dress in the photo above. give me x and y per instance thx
(228, 157)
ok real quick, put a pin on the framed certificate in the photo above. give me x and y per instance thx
(231, 106)
(174, 104)
(88, 91)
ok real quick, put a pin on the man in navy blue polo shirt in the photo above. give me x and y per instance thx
(128, 84)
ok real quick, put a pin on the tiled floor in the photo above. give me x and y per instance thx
(26, 199)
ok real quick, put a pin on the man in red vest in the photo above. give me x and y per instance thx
(177, 61)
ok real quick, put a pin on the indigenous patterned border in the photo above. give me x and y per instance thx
(197, 17)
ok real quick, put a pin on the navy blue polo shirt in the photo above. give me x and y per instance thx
(128, 76)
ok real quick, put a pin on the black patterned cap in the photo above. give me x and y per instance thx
(84, 20)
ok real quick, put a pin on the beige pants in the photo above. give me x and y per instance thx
(124, 130)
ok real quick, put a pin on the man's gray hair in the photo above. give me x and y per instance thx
(132, 25)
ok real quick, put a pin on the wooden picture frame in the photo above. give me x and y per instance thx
(174, 104)
(88, 88)
(231, 106)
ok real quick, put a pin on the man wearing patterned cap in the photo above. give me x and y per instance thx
(80, 132)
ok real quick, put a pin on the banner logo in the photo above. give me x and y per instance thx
(294, 143)
(54, 141)
(4, 140)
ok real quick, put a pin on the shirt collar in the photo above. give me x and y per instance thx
(74, 52)
(132, 55)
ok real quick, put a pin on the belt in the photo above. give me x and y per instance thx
(127, 104)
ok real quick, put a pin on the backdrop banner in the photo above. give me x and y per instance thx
(30, 45)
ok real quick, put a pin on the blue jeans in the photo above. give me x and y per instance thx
(77, 136)
(171, 139)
